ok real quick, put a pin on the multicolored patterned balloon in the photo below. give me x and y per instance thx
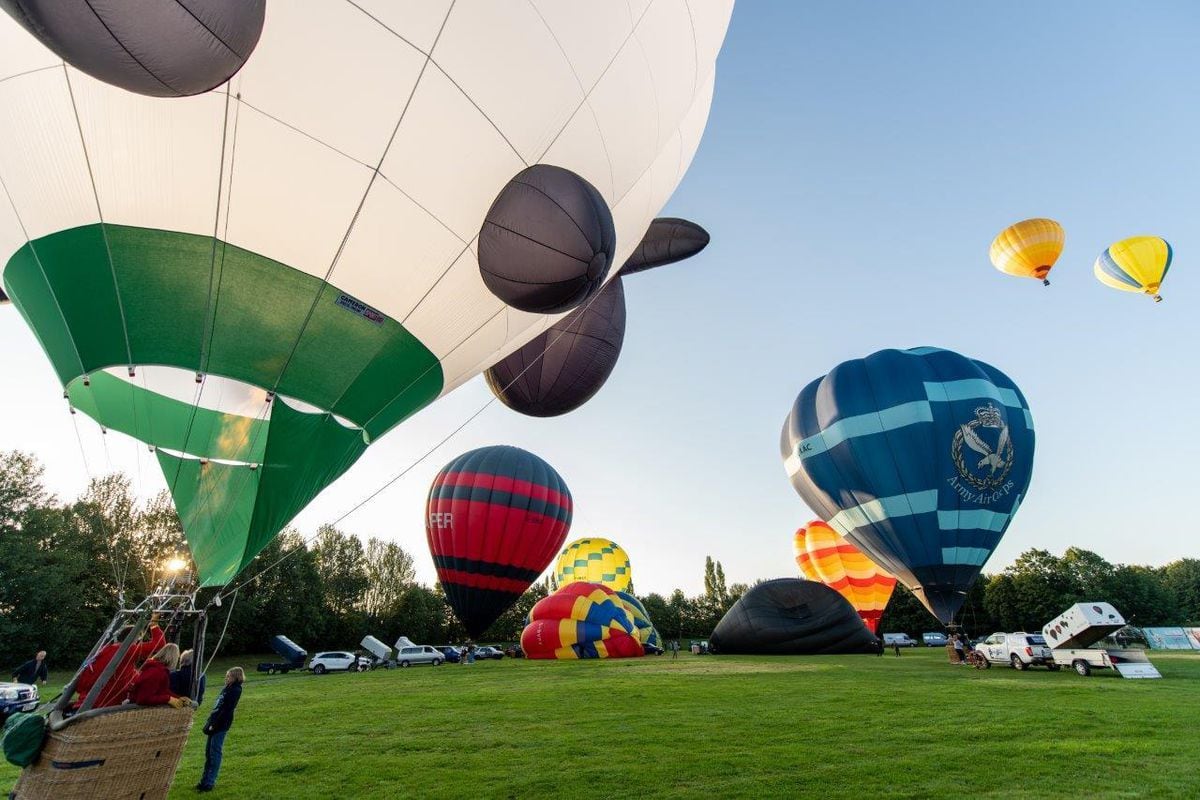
(581, 620)
(643, 626)
(824, 555)
(594, 560)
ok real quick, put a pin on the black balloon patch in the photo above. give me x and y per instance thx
(160, 49)
(563, 367)
(547, 241)
(667, 240)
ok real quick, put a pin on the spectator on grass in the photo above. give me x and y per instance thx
(181, 679)
(896, 647)
(218, 725)
(960, 649)
(33, 671)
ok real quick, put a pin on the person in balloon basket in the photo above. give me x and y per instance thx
(152, 686)
(181, 679)
(115, 691)
(33, 671)
(218, 725)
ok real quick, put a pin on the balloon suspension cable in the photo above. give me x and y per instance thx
(220, 639)
(388, 484)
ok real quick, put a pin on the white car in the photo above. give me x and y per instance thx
(16, 697)
(337, 660)
(1019, 650)
(419, 654)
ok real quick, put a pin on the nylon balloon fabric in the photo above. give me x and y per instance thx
(1138, 264)
(824, 555)
(564, 367)
(594, 560)
(494, 519)
(1028, 249)
(644, 628)
(920, 458)
(582, 620)
(790, 616)
(257, 273)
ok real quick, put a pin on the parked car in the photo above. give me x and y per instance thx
(16, 697)
(453, 654)
(901, 639)
(514, 651)
(337, 661)
(1019, 650)
(419, 654)
(934, 639)
(487, 651)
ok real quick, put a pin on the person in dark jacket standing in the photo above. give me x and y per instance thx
(33, 670)
(219, 722)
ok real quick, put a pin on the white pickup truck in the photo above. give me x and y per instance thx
(1019, 650)
(1072, 633)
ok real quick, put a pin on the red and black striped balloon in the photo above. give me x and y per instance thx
(495, 519)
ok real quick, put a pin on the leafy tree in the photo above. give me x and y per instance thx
(390, 572)
(1182, 580)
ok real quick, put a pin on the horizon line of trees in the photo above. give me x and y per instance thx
(63, 567)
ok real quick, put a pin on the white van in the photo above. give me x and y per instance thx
(898, 639)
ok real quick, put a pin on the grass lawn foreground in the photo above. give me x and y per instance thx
(720, 726)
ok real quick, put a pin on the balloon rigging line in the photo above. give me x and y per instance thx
(375, 173)
(210, 309)
(221, 638)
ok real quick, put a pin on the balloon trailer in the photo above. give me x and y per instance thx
(288, 650)
(1072, 634)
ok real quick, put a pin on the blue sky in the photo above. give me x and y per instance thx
(858, 161)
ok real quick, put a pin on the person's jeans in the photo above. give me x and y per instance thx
(212, 758)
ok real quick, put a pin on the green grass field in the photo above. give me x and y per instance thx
(834, 726)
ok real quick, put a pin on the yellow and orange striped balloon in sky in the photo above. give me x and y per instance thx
(824, 555)
(1028, 249)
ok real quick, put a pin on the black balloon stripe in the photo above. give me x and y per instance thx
(490, 568)
(485, 494)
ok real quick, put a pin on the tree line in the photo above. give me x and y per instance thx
(65, 565)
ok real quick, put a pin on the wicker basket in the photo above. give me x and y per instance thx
(124, 752)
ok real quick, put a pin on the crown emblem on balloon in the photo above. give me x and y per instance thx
(989, 416)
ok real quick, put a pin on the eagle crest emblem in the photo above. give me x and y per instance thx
(990, 456)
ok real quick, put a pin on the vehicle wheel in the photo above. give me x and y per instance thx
(437, 662)
(1054, 667)
(1017, 663)
(984, 663)
(319, 669)
(1082, 667)
(404, 663)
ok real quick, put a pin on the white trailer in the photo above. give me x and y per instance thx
(1072, 633)
(381, 654)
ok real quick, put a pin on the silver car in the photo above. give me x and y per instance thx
(16, 697)
(419, 654)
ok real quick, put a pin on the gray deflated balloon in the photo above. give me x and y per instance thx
(789, 616)
(164, 48)
(667, 240)
(547, 242)
(560, 369)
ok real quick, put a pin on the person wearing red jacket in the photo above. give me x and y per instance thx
(152, 686)
(113, 694)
